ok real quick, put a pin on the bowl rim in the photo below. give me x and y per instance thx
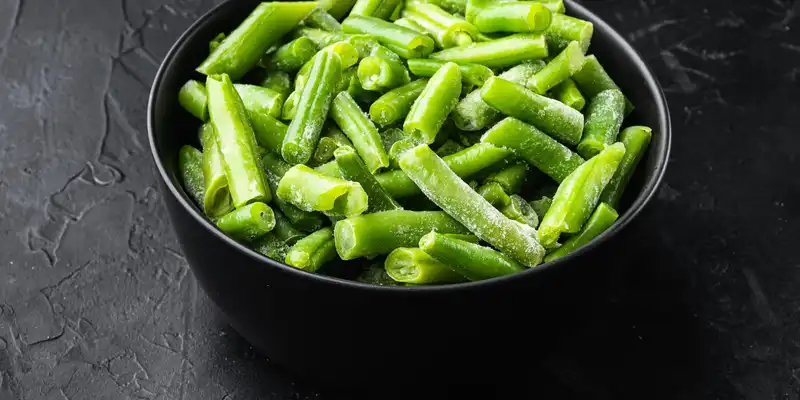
(650, 186)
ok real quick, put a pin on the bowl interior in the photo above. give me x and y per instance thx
(170, 126)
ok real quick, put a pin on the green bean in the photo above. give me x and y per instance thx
(398, 148)
(284, 230)
(337, 8)
(321, 37)
(519, 210)
(312, 108)
(473, 261)
(564, 29)
(290, 107)
(383, 70)
(440, 184)
(389, 137)
(410, 25)
(376, 275)
(248, 223)
(303, 220)
(192, 97)
(348, 55)
(412, 265)
(270, 246)
(320, 19)
(312, 251)
(404, 41)
(237, 142)
(500, 53)
(353, 169)
(381, 232)
(560, 68)
(593, 79)
(190, 167)
(516, 16)
(472, 113)
(602, 218)
(242, 49)
(396, 103)
(449, 147)
(310, 190)
(603, 119)
(217, 199)
(567, 92)
(260, 100)
(432, 107)
(331, 140)
(360, 130)
(511, 178)
(578, 195)
(543, 152)
(554, 118)
(452, 6)
(291, 56)
(494, 194)
(279, 82)
(214, 43)
(446, 29)
(330, 168)
(465, 164)
(269, 131)
(636, 139)
(473, 74)
(382, 9)
(541, 206)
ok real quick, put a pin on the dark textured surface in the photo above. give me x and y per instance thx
(96, 301)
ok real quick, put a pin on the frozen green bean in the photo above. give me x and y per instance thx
(321, 19)
(279, 82)
(241, 50)
(360, 130)
(290, 107)
(511, 178)
(214, 43)
(412, 265)
(270, 246)
(284, 230)
(310, 190)
(636, 140)
(248, 223)
(217, 199)
(192, 97)
(398, 148)
(260, 100)
(410, 25)
(553, 117)
(331, 139)
(568, 93)
(404, 41)
(446, 29)
(604, 116)
(313, 251)
(500, 53)
(579, 194)
(391, 136)
(303, 220)
(337, 8)
(494, 194)
(291, 56)
(190, 167)
(564, 29)
(268, 130)
(513, 16)
(321, 37)
(383, 70)
(353, 169)
(560, 68)
(396, 103)
(538, 149)
(440, 184)
(382, 9)
(330, 168)
(430, 110)
(541, 206)
(381, 232)
(473, 74)
(449, 147)
(602, 218)
(473, 261)
(519, 210)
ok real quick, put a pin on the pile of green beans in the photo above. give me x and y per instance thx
(445, 141)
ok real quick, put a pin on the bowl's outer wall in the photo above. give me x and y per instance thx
(348, 333)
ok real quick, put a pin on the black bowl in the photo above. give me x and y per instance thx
(341, 331)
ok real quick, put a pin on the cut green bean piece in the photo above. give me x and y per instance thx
(303, 220)
(313, 251)
(432, 107)
(512, 178)
(353, 169)
(553, 117)
(279, 82)
(452, 6)
(272, 247)
(269, 131)
(465, 164)
(321, 19)
(291, 56)
(579, 194)
(310, 190)
(636, 140)
(360, 130)
(514, 16)
(541, 206)
(260, 100)
(214, 43)
(494, 194)
(383, 70)
(446, 29)
(440, 184)
(248, 223)
(217, 199)
(330, 168)
(410, 25)
(312, 108)
(604, 116)
(242, 49)
(560, 68)
(290, 107)
(564, 29)
(519, 210)
(567, 92)
(538, 149)
(593, 79)
(500, 53)
(348, 55)
(396, 103)
(190, 167)
(193, 99)
(391, 136)
(449, 147)
(236, 141)
(399, 147)
(382, 9)
(381, 232)
(473, 74)
(412, 265)
(473, 261)
(602, 218)
(404, 41)
(472, 113)
(321, 37)
(285, 231)
(331, 140)
(337, 8)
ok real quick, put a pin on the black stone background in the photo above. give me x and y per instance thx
(97, 302)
